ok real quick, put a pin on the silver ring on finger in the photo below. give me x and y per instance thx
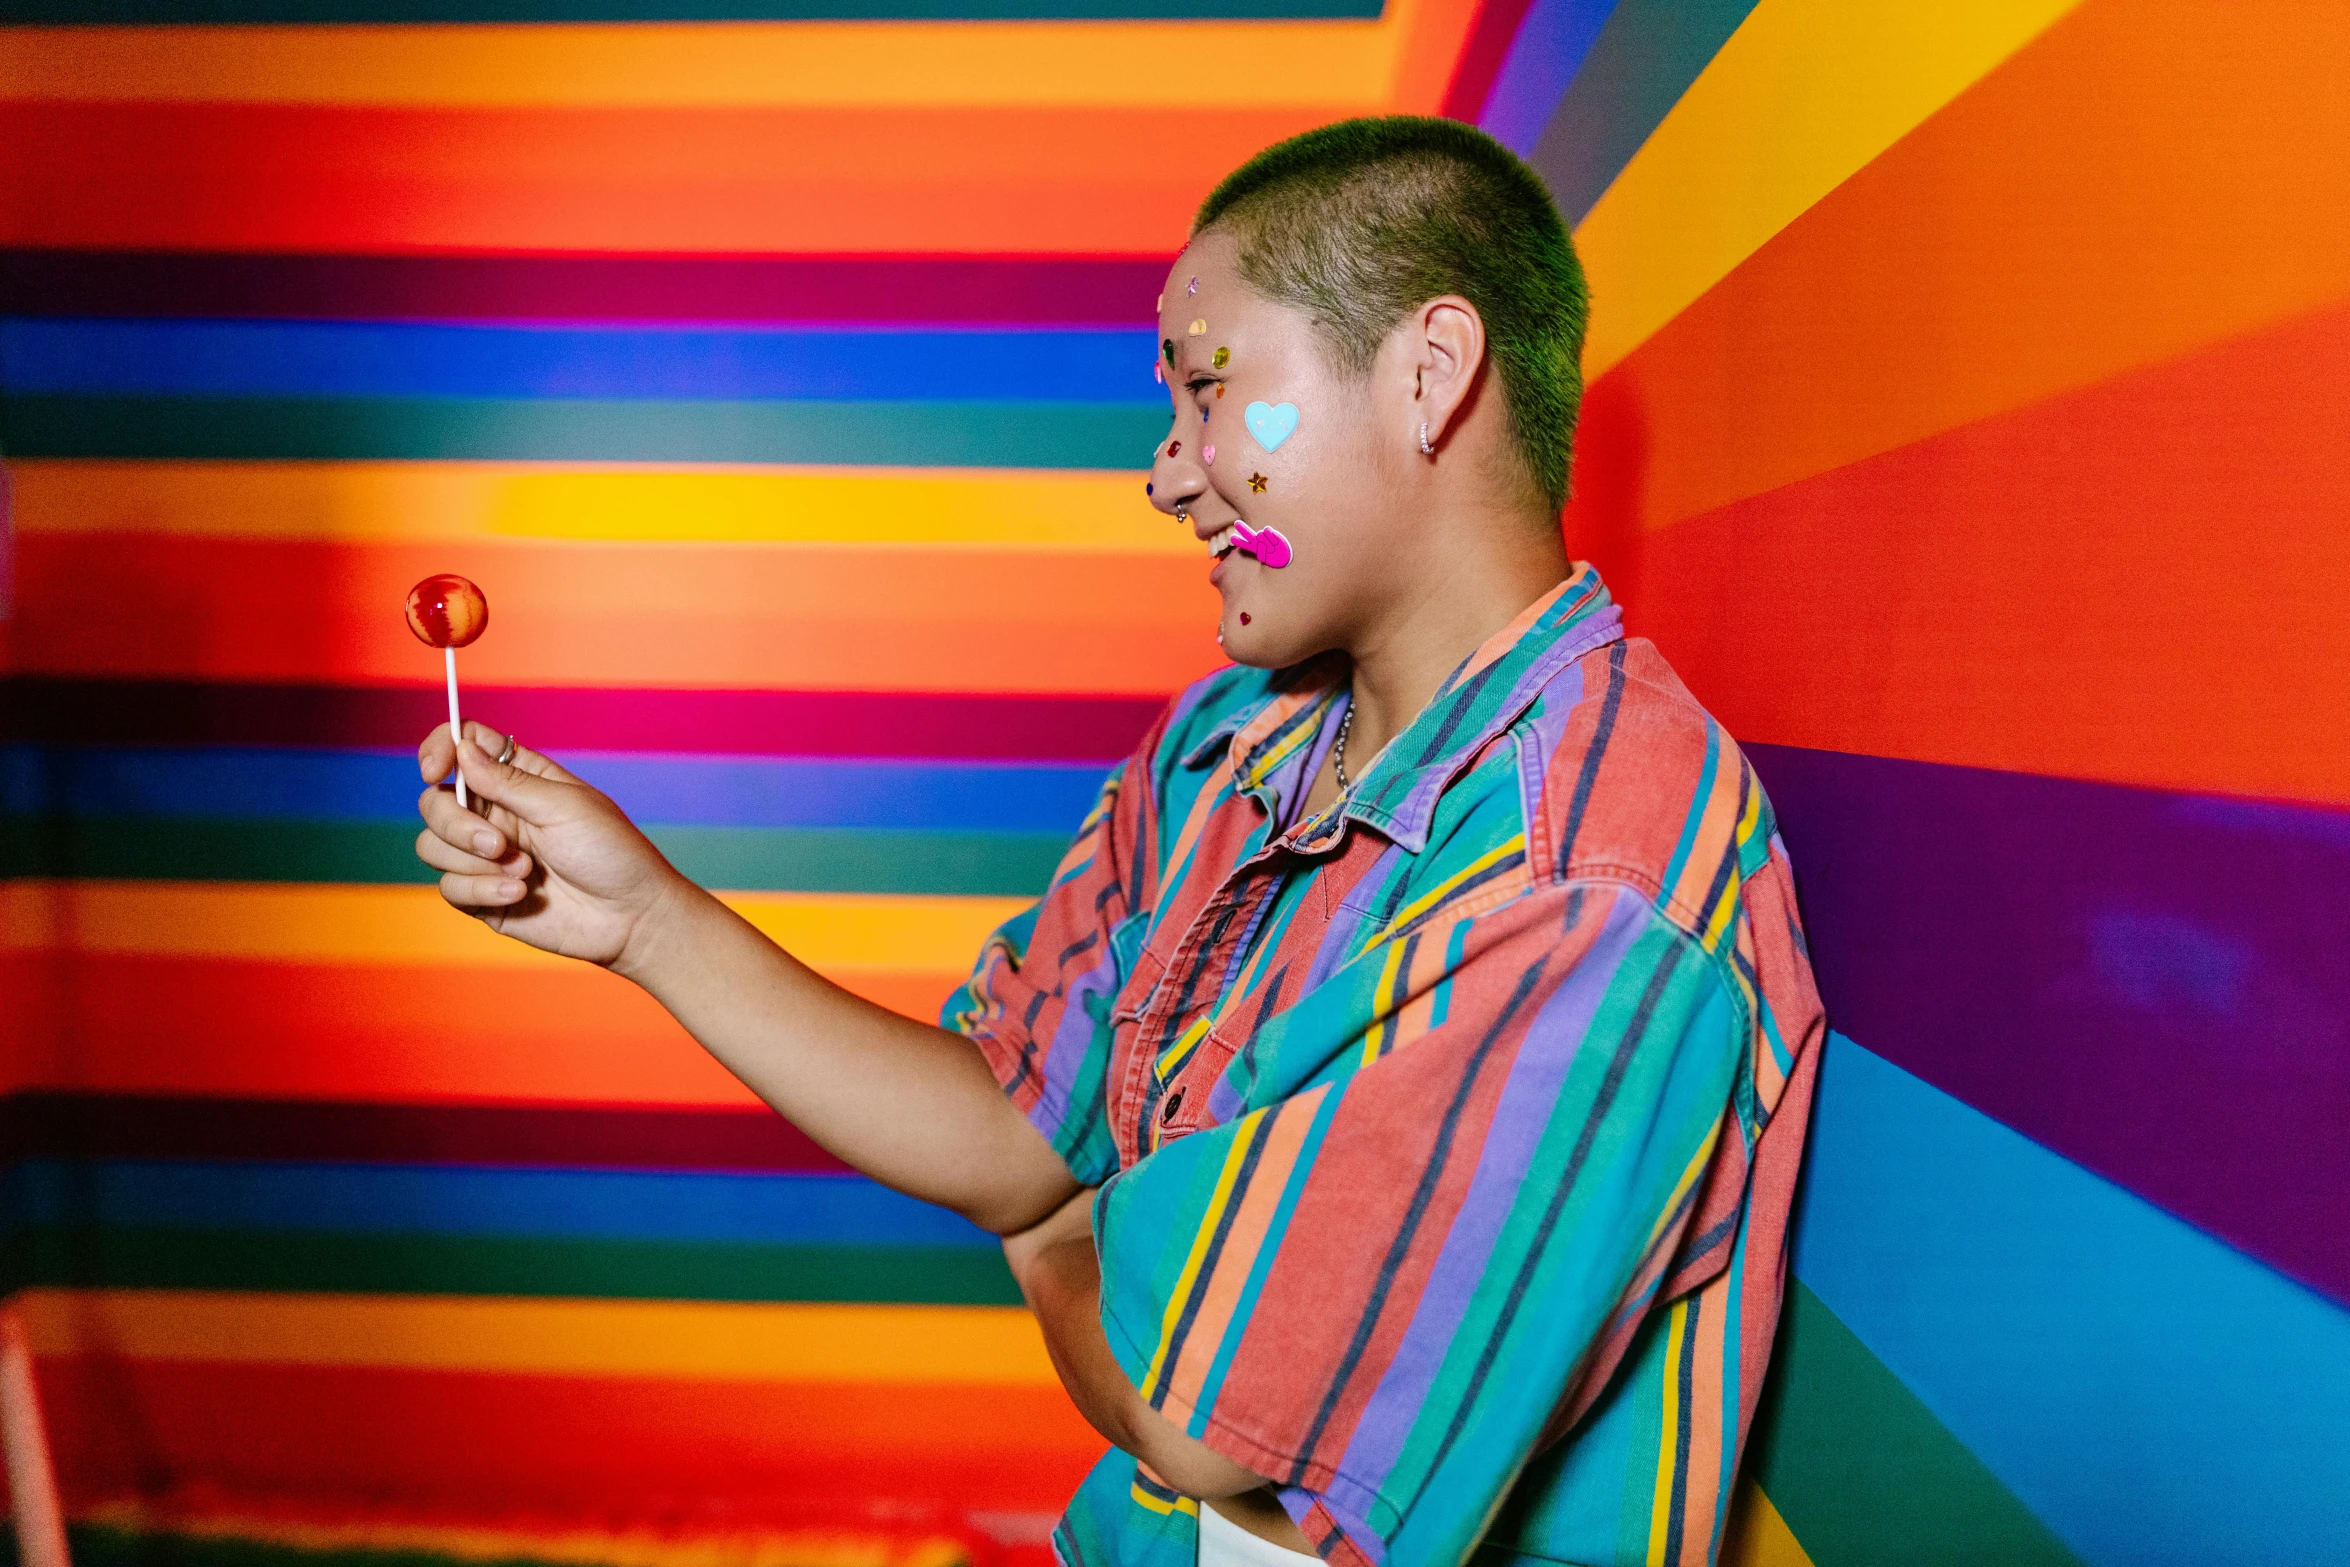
(507, 755)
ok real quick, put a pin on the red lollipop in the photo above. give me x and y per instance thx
(448, 612)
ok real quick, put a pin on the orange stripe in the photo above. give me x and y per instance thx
(2136, 583)
(1702, 1499)
(370, 1032)
(2057, 223)
(672, 180)
(764, 1341)
(1284, 1138)
(1345, 64)
(634, 615)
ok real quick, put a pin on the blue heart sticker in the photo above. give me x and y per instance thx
(1269, 424)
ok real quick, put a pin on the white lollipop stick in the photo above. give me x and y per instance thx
(456, 729)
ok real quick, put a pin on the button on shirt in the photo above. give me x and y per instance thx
(1446, 1136)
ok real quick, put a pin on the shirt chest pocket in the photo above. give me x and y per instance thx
(1138, 968)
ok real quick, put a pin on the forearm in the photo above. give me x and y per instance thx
(1062, 1284)
(909, 1104)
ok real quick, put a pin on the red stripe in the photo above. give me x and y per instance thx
(1481, 59)
(2136, 583)
(211, 176)
(592, 1446)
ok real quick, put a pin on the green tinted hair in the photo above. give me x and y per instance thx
(1360, 223)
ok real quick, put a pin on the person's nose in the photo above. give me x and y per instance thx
(1178, 478)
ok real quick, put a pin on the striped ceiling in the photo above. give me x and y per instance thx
(1968, 383)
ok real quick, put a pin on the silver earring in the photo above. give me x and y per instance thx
(1424, 446)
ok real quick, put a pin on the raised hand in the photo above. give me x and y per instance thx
(542, 856)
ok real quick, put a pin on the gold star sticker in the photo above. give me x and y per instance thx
(1256, 482)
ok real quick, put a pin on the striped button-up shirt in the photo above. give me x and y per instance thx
(1447, 1135)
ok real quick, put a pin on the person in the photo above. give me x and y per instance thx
(1393, 1106)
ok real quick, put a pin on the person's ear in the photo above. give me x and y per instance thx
(1448, 337)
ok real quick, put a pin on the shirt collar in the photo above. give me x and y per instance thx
(1493, 686)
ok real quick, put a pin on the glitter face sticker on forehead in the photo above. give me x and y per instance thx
(1167, 347)
(1192, 287)
(1198, 327)
(1220, 358)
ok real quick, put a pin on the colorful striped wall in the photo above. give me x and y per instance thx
(1968, 382)
(1969, 388)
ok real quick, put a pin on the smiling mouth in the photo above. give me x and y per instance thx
(1220, 542)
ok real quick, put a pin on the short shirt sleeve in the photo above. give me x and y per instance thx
(1040, 998)
(1379, 1291)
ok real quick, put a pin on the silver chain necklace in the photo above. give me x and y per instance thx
(1338, 752)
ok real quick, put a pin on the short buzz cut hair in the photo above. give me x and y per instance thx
(1361, 222)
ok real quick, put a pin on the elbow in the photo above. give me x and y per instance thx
(1185, 1464)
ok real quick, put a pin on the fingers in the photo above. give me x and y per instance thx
(483, 894)
(441, 855)
(536, 797)
(436, 757)
(464, 831)
(524, 759)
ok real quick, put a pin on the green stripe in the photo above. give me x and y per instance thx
(906, 434)
(1863, 1473)
(141, 12)
(155, 1258)
(749, 859)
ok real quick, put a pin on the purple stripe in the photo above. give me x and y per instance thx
(1010, 290)
(1528, 1100)
(1072, 1046)
(983, 727)
(136, 1126)
(2156, 986)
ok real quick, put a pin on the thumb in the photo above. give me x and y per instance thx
(532, 799)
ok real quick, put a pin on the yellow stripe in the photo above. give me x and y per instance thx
(302, 922)
(782, 1342)
(1161, 1505)
(1758, 1536)
(445, 502)
(1181, 1293)
(1183, 1042)
(1444, 889)
(1804, 95)
(1750, 818)
(1689, 1174)
(1349, 66)
(1303, 731)
(1668, 1438)
(1375, 1037)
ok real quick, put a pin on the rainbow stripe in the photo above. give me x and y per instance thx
(1967, 388)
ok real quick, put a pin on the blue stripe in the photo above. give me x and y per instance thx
(657, 789)
(420, 1199)
(2153, 1395)
(167, 357)
(1542, 60)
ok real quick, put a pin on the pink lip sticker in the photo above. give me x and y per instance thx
(1266, 544)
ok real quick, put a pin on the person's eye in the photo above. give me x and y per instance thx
(1199, 384)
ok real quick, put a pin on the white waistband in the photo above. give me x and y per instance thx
(1223, 1543)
